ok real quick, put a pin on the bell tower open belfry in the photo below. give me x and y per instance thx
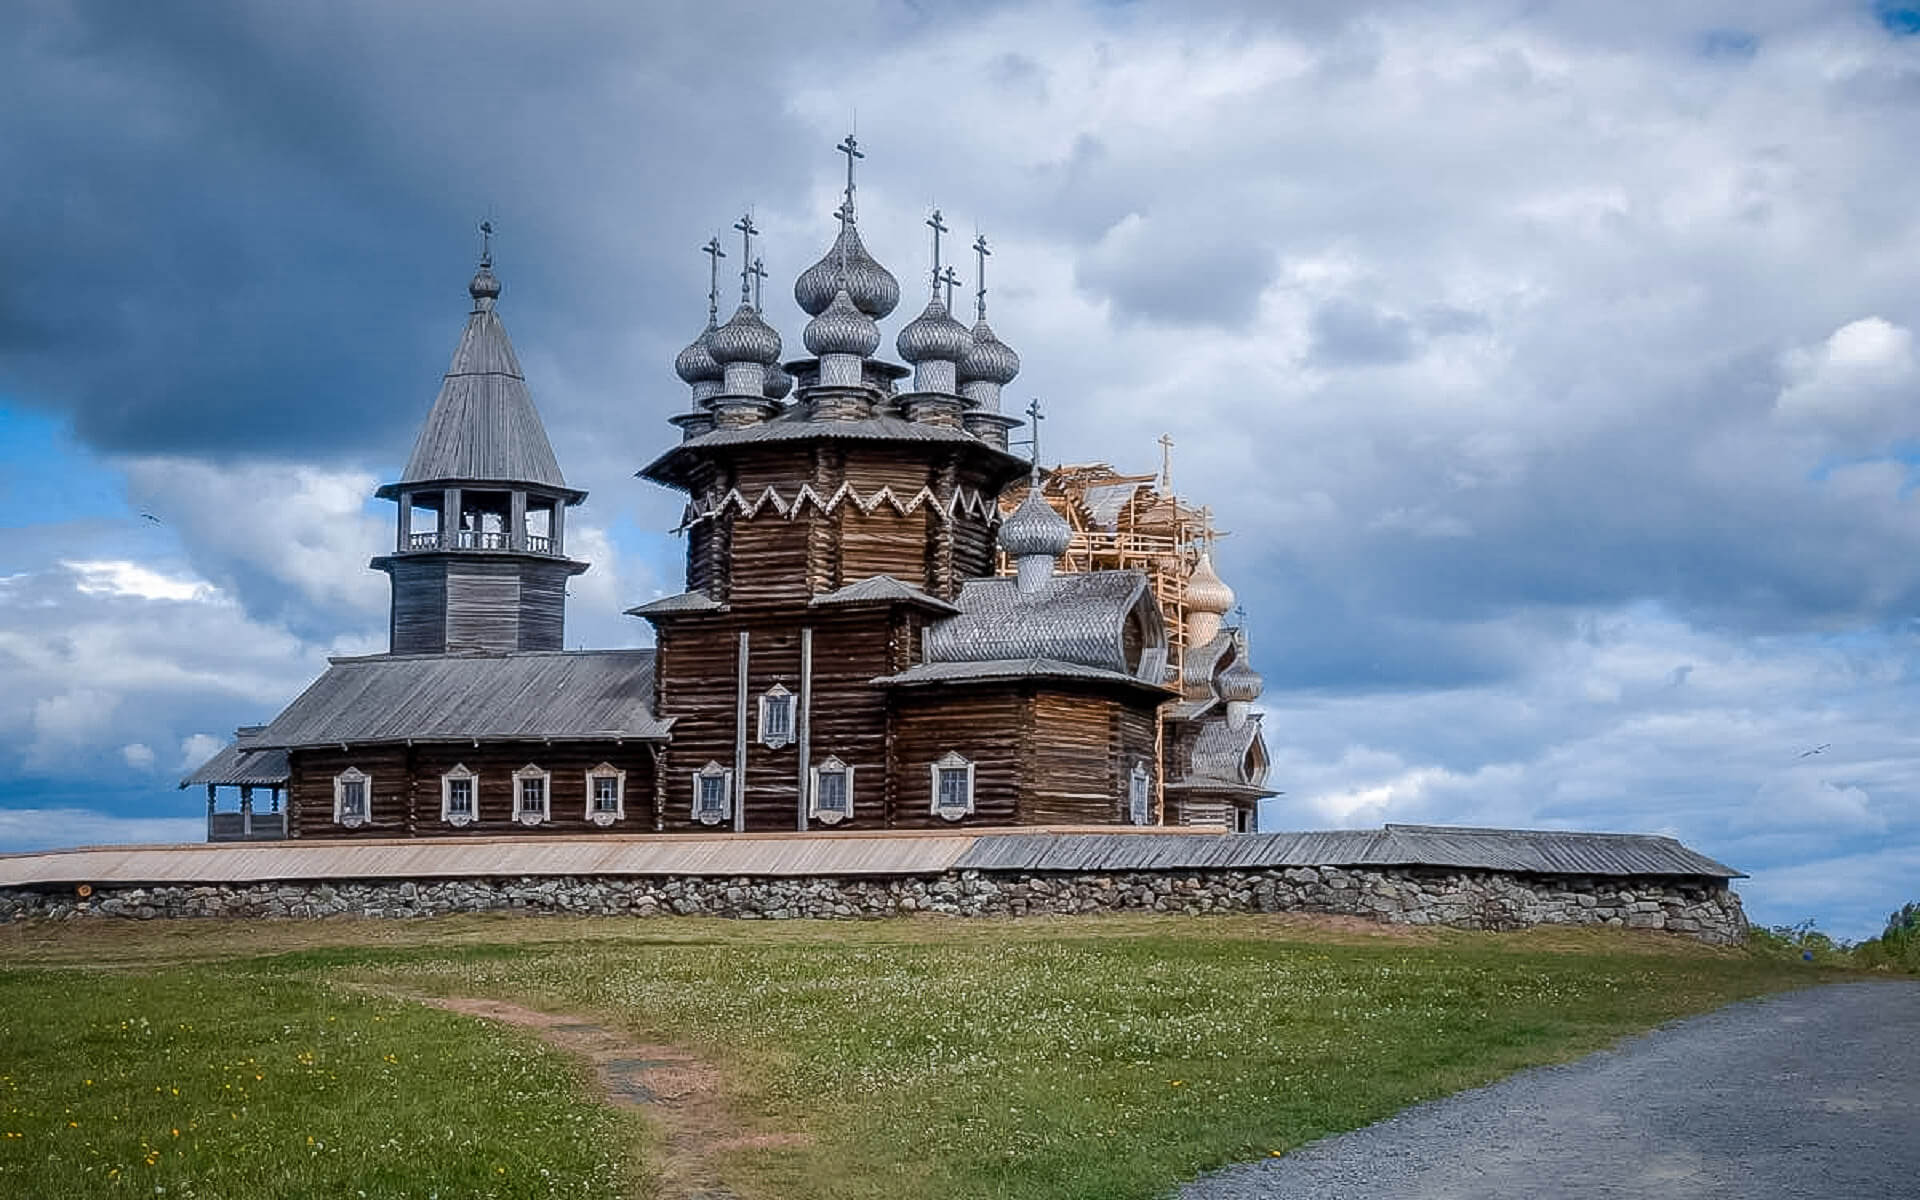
(479, 559)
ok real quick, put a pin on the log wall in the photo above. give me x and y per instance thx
(406, 788)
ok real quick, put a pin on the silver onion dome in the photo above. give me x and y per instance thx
(485, 285)
(696, 364)
(841, 328)
(933, 335)
(1240, 681)
(988, 359)
(1035, 529)
(778, 382)
(744, 338)
(872, 287)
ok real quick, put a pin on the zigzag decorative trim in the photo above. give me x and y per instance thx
(964, 500)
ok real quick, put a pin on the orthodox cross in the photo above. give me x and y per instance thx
(1166, 463)
(745, 226)
(759, 272)
(714, 254)
(1035, 416)
(939, 227)
(980, 253)
(851, 148)
(486, 243)
(949, 277)
(1240, 616)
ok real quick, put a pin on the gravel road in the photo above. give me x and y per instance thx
(1811, 1094)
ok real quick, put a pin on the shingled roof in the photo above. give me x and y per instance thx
(581, 695)
(1076, 618)
(483, 426)
(672, 466)
(242, 763)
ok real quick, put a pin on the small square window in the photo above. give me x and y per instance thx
(530, 795)
(952, 787)
(1140, 795)
(832, 791)
(776, 717)
(606, 793)
(352, 798)
(712, 794)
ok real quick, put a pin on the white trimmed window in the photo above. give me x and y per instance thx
(1140, 795)
(606, 794)
(952, 786)
(352, 798)
(832, 792)
(531, 786)
(460, 796)
(712, 794)
(776, 717)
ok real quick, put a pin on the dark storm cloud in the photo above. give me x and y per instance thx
(247, 230)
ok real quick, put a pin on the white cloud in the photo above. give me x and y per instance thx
(138, 755)
(197, 748)
(122, 578)
(1861, 381)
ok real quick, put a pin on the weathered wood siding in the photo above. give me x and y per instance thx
(452, 602)
(696, 671)
(1073, 774)
(988, 725)
(406, 788)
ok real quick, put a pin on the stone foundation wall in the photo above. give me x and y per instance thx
(1701, 908)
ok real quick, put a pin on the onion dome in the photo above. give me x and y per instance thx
(779, 383)
(872, 288)
(1035, 528)
(696, 364)
(1240, 682)
(842, 328)
(1206, 592)
(933, 336)
(745, 338)
(484, 286)
(988, 359)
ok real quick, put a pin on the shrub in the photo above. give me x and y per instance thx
(1898, 946)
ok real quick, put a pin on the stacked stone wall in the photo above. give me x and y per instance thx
(1700, 908)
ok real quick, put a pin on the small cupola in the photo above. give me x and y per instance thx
(847, 265)
(843, 337)
(989, 364)
(1034, 536)
(1208, 600)
(1239, 685)
(696, 365)
(934, 342)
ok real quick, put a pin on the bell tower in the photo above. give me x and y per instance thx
(479, 560)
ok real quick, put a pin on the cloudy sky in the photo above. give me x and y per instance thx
(1552, 364)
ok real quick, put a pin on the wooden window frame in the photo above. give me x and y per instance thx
(1140, 795)
(340, 815)
(952, 760)
(600, 816)
(521, 812)
(713, 770)
(779, 696)
(460, 771)
(829, 816)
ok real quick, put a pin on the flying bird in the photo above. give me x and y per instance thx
(1820, 749)
(149, 516)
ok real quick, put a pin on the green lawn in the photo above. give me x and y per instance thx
(1099, 1057)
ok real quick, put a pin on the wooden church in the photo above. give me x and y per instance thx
(883, 626)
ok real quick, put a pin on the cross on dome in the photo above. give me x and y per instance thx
(747, 231)
(980, 253)
(939, 227)
(851, 148)
(713, 251)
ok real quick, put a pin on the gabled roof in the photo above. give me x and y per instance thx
(997, 670)
(685, 602)
(589, 695)
(881, 589)
(242, 763)
(483, 426)
(1220, 751)
(1077, 618)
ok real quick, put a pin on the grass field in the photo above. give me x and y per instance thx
(1103, 1057)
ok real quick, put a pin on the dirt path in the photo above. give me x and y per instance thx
(678, 1092)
